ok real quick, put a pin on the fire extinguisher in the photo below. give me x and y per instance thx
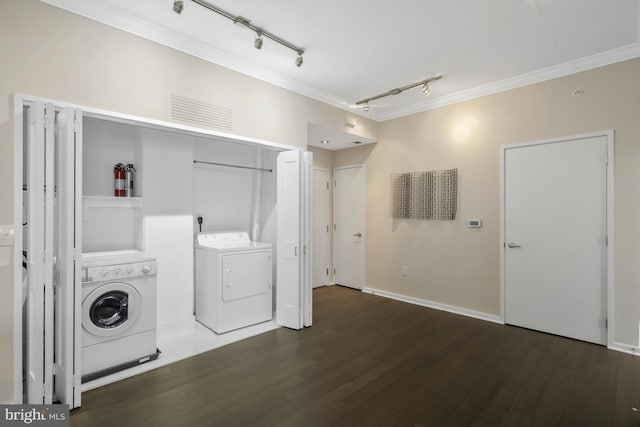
(118, 174)
(129, 178)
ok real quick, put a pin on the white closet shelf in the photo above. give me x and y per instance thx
(111, 202)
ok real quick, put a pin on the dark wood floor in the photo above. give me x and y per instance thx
(372, 361)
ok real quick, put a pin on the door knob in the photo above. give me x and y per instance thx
(357, 235)
(513, 245)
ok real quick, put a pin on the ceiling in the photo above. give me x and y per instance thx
(360, 48)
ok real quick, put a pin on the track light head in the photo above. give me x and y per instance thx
(258, 42)
(425, 88)
(178, 5)
(366, 106)
(299, 59)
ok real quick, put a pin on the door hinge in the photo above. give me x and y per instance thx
(606, 323)
(606, 241)
(334, 271)
(606, 158)
(334, 182)
(47, 121)
(304, 250)
(327, 228)
(55, 369)
(76, 126)
(334, 227)
(327, 271)
(327, 185)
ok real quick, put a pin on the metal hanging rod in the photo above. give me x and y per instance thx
(233, 166)
(247, 23)
(399, 90)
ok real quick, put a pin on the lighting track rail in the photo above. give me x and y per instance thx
(425, 89)
(178, 5)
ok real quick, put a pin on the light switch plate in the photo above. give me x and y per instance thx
(6, 235)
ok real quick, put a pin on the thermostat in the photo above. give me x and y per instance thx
(475, 223)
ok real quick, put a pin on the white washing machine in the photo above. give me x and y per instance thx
(118, 311)
(233, 281)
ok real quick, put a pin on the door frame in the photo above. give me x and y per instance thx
(330, 214)
(609, 135)
(363, 269)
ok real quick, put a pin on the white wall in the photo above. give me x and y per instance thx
(105, 144)
(166, 176)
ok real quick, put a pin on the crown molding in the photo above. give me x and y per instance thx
(97, 11)
(609, 57)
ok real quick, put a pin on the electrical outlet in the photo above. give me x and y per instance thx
(6, 235)
(405, 270)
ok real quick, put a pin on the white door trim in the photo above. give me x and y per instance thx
(329, 235)
(609, 135)
(18, 117)
(363, 270)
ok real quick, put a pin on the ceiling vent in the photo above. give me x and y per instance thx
(200, 113)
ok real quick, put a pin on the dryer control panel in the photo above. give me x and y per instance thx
(119, 271)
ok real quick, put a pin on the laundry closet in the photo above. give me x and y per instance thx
(186, 181)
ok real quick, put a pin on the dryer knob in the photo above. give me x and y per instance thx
(146, 269)
(129, 270)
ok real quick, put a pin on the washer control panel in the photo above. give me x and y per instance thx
(118, 271)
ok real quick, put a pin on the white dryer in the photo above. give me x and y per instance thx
(233, 281)
(118, 311)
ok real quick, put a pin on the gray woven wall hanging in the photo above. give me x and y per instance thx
(425, 195)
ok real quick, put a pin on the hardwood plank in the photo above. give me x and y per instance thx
(372, 361)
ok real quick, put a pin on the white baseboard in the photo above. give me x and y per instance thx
(624, 348)
(436, 305)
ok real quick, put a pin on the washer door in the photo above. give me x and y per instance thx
(111, 309)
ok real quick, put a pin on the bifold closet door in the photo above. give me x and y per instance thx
(293, 288)
(39, 164)
(53, 236)
(68, 252)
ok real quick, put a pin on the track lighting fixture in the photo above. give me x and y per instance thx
(178, 5)
(397, 91)
(258, 42)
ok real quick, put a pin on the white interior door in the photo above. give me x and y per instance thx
(292, 297)
(348, 226)
(68, 250)
(39, 247)
(321, 224)
(555, 237)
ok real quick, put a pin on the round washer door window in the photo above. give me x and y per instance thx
(111, 309)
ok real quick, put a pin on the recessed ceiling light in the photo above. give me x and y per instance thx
(357, 142)
(324, 141)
